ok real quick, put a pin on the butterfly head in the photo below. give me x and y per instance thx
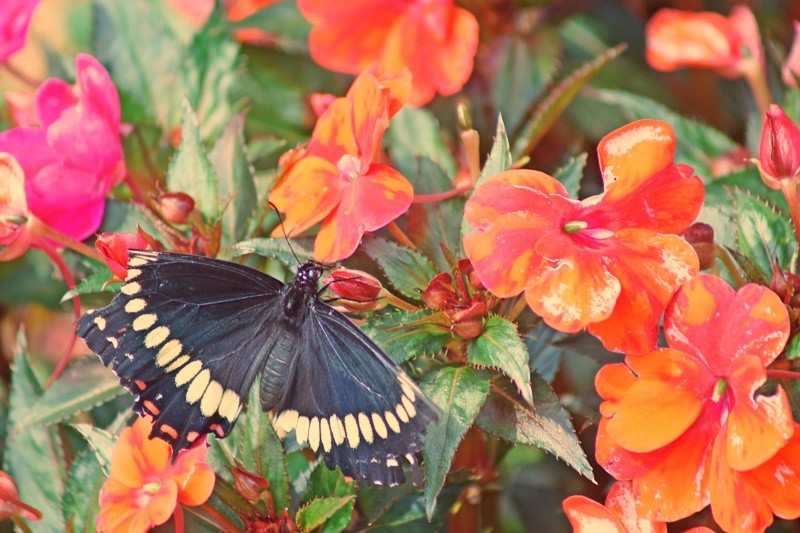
(308, 274)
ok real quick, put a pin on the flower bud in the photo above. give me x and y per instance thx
(114, 249)
(701, 237)
(440, 293)
(468, 323)
(359, 291)
(175, 206)
(248, 484)
(779, 150)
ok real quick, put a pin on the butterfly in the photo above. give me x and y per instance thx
(189, 335)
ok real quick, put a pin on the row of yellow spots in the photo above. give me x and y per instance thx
(213, 397)
(354, 427)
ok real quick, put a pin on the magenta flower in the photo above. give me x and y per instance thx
(15, 15)
(75, 156)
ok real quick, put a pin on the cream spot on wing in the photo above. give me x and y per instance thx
(129, 289)
(132, 273)
(137, 262)
(187, 373)
(366, 428)
(409, 407)
(392, 421)
(301, 429)
(168, 352)
(313, 433)
(177, 363)
(143, 322)
(100, 322)
(229, 406)
(351, 428)
(325, 434)
(198, 386)
(114, 342)
(211, 398)
(380, 427)
(401, 413)
(156, 337)
(337, 430)
(135, 305)
(287, 420)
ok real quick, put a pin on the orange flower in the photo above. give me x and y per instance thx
(114, 249)
(609, 263)
(685, 423)
(435, 40)
(679, 39)
(143, 488)
(336, 179)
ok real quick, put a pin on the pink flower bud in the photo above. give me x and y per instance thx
(779, 151)
(358, 291)
(114, 249)
(175, 206)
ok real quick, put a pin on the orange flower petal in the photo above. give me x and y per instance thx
(708, 304)
(333, 135)
(758, 426)
(635, 152)
(588, 516)
(308, 192)
(667, 201)
(574, 289)
(778, 479)
(161, 505)
(622, 502)
(655, 409)
(649, 268)
(735, 504)
(369, 203)
(194, 477)
(370, 115)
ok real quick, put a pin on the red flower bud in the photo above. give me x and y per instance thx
(440, 293)
(114, 249)
(779, 151)
(359, 291)
(175, 206)
(248, 484)
(701, 237)
(468, 323)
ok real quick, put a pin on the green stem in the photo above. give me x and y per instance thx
(40, 228)
(724, 256)
(789, 189)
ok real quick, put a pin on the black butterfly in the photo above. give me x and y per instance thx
(189, 335)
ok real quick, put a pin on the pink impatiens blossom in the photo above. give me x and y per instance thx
(74, 156)
(15, 16)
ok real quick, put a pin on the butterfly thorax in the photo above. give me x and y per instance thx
(302, 289)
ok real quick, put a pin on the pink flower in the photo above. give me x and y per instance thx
(15, 236)
(15, 15)
(779, 150)
(790, 71)
(75, 156)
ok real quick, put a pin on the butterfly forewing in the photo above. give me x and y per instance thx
(188, 335)
(350, 402)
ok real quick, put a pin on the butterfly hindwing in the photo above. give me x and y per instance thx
(350, 402)
(188, 336)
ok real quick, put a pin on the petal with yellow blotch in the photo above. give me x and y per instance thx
(588, 516)
(635, 152)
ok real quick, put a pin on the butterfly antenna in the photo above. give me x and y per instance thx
(283, 229)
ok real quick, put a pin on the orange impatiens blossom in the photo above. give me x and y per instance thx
(336, 179)
(686, 424)
(435, 39)
(618, 515)
(729, 45)
(144, 488)
(609, 263)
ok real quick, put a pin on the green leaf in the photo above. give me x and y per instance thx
(697, 143)
(500, 347)
(277, 248)
(571, 174)
(558, 99)
(81, 387)
(283, 21)
(254, 444)
(143, 56)
(407, 513)
(415, 134)
(318, 511)
(460, 393)
(324, 483)
(499, 159)
(525, 65)
(545, 425)
(438, 225)
(408, 270)
(97, 282)
(190, 170)
(235, 179)
(80, 502)
(101, 443)
(210, 69)
(764, 234)
(32, 456)
(403, 334)
(545, 358)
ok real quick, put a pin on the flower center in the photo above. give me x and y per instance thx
(574, 226)
(350, 166)
(719, 389)
(152, 488)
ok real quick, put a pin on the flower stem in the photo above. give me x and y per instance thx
(726, 259)
(393, 300)
(21, 76)
(782, 374)
(215, 518)
(440, 196)
(400, 235)
(40, 228)
(517, 308)
(789, 189)
(756, 79)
